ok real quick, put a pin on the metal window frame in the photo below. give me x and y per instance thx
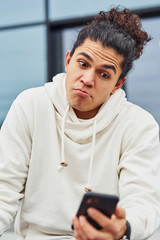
(54, 34)
(55, 29)
(34, 23)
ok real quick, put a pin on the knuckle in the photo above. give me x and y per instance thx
(104, 224)
(117, 229)
(82, 224)
(93, 235)
(76, 234)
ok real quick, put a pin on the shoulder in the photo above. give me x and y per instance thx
(136, 115)
(138, 125)
(32, 101)
(32, 94)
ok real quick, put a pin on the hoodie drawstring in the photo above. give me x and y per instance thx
(87, 188)
(63, 163)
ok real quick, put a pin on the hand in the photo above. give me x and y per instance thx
(112, 228)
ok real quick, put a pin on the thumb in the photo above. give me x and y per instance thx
(120, 212)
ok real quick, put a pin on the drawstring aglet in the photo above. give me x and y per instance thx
(87, 189)
(64, 164)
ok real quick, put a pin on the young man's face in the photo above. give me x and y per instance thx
(92, 75)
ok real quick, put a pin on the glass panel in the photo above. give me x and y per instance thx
(69, 36)
(60, 9)
(143, 84)
(21, 11)
(22, 63)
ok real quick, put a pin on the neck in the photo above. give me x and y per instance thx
(86, 115)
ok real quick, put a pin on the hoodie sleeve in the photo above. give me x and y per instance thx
(15, 148)
(139, 173)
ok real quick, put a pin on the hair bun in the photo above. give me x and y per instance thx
(130, 22)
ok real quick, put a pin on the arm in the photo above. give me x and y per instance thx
(138, 173)
(15, 147)
(139, 176)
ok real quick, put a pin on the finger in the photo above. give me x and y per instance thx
(114, 225)
(75, 227)
(120, 217)
(92, 233)
(78, 230)
(120, 212)
(74, 222)
(88, 230)
(101, 219)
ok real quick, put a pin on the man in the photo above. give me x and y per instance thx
(80, 133)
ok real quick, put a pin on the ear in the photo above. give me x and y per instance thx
(118, 85)
(67, 59)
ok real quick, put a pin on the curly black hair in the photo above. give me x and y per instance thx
(117, 29)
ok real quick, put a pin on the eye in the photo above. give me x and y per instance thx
(104, 75)
(83, 63)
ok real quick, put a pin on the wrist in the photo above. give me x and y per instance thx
(127, 234)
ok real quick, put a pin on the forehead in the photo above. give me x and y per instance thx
(99, 53)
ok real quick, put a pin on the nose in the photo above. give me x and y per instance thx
(88, 78)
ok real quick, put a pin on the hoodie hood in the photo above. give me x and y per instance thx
(78, 130)
(74, 128)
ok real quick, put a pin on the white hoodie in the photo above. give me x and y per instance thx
(116, 152)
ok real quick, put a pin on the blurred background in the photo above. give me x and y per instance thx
(35, 36)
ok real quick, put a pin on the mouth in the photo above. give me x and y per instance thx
(82, 93)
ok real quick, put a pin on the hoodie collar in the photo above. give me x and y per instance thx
(77, 129)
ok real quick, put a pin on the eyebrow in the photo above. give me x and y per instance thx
(85, 55)
(90, 59)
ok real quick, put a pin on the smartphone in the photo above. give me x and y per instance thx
(103, 202)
